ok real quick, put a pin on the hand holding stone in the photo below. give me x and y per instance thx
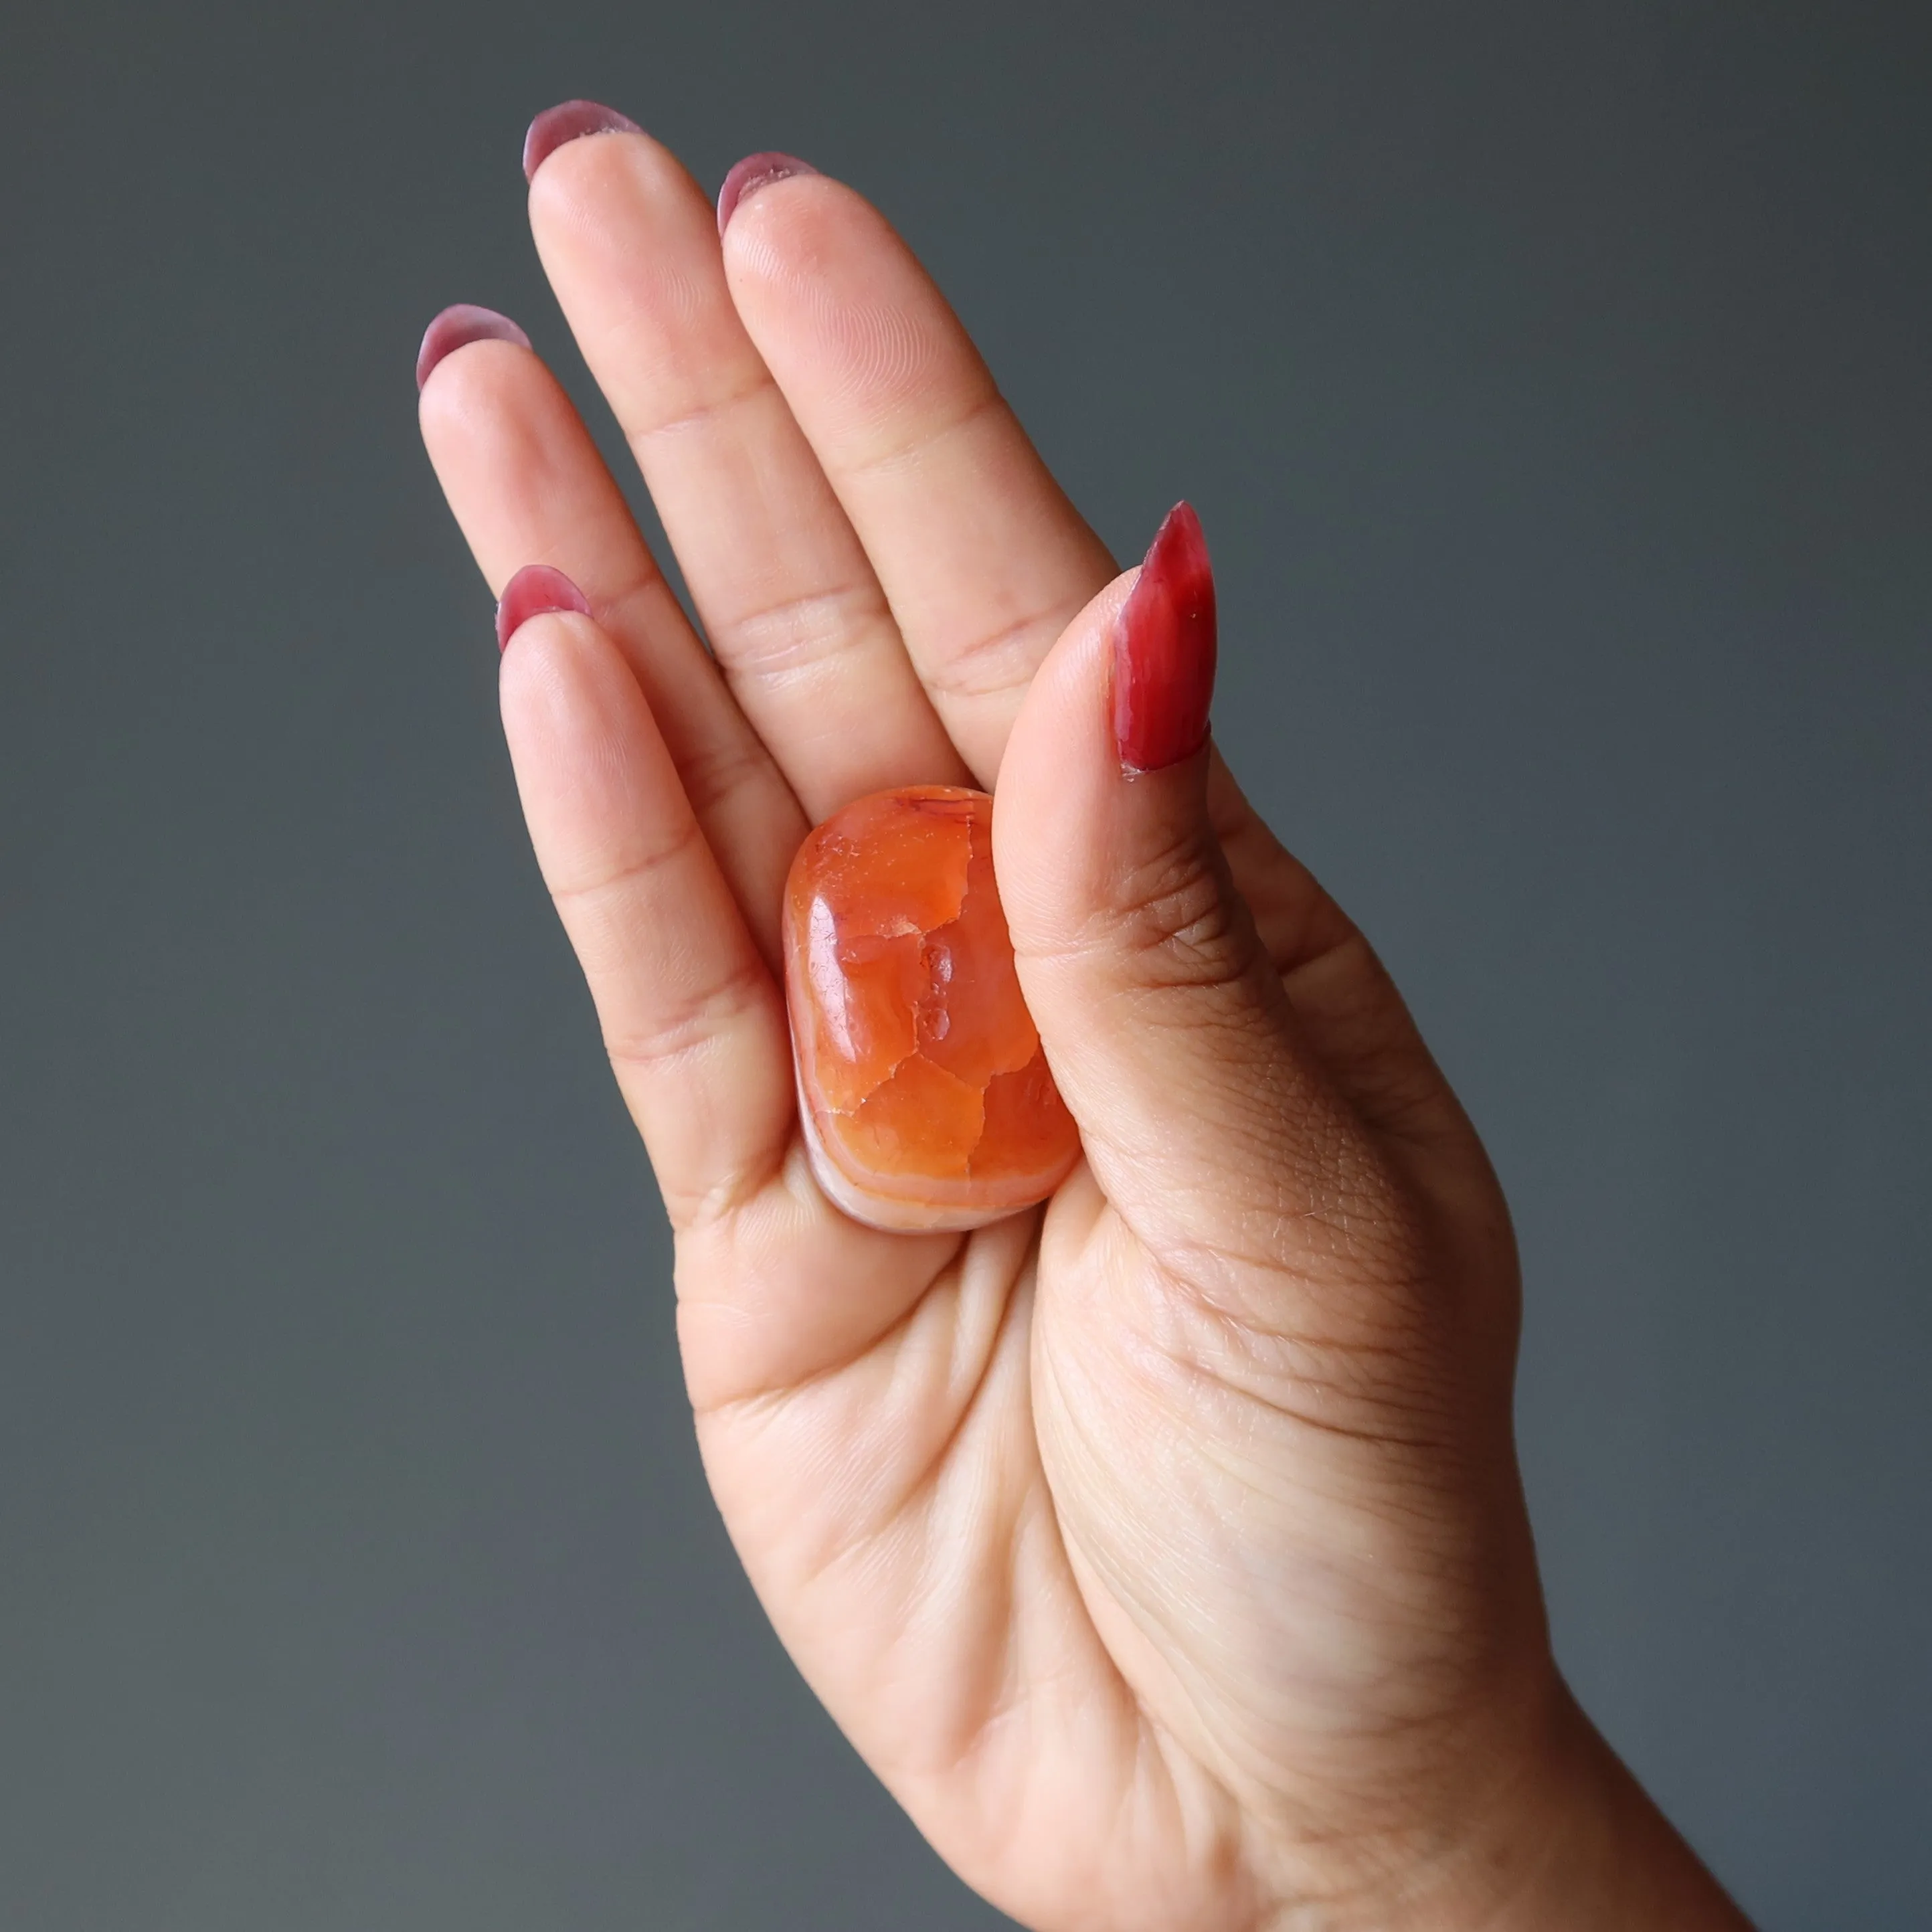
(1161, 1547)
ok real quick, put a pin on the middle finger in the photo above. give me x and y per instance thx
(793, 612)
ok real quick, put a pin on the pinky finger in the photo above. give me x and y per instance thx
(691, 1016)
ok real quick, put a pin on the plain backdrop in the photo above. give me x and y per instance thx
(1553, 381)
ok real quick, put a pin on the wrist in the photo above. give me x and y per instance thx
(1548, 1835)
(1569, 1839)
(1613, 1862)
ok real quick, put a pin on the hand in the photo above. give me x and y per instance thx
(1162, 1550)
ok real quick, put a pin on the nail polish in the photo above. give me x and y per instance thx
(461, 323)
(1164, 650)
(536, 589)
(570, 120)
(753, 172)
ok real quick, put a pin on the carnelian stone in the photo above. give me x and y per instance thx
(926, 1099)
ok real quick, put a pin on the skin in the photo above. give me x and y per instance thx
(1163, 1550)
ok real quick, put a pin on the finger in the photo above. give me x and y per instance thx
(793, 611)
(982, 556)
(690, 1012)
(527, 486)
(1204, 1103)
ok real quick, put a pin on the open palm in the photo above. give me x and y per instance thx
(1163, 1549)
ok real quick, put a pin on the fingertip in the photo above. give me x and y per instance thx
(455, 327)
(572, 714)
(800, 233)
(751, 176)
(570, 120)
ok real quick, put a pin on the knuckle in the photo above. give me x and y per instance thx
(634, 606)
(714, 772)
(1173, 921)
(684, 1025)
(990, 664)
(699, 411)
(893, 356)
(792, 633)
(631, 875)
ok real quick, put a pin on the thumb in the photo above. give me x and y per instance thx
(1207, 1120)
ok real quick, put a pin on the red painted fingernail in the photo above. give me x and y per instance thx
(461, 323)
(753, 172)
(536, 588)
(1164, 649)
(570, 120)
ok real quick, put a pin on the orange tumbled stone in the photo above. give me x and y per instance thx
(926, 1099)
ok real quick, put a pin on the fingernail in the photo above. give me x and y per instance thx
(536, 589)
(1164, 650)
(570, 120)
(753, 172)
(461, 323)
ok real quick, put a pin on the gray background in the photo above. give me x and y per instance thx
(1553, 381)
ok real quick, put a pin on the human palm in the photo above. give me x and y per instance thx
(1162, 1549)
